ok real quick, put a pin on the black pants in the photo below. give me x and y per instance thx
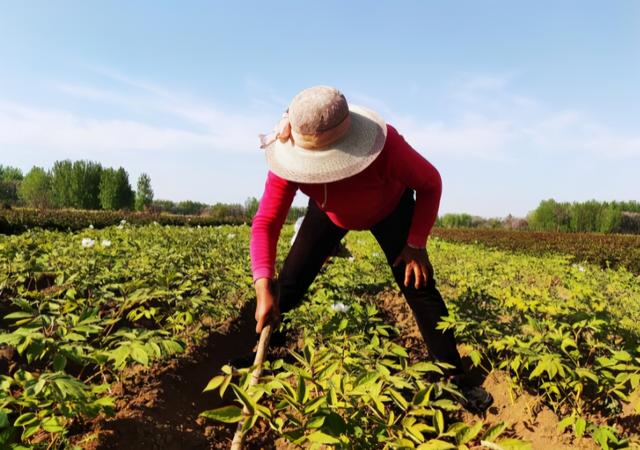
(316, 239)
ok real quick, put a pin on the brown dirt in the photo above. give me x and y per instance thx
(528, 419)
(158, 407)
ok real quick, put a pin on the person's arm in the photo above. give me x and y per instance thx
(408, 166)
(265, 231)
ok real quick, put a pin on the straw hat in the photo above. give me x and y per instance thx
(328, 140)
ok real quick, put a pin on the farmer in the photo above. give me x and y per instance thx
(359, 174)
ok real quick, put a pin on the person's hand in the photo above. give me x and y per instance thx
(417, 264)
(267, 311)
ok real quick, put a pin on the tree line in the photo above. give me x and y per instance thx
(550, 215)
(74, 184)
(589, 216)
(87, 185)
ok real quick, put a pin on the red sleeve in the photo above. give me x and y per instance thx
(267, 224)
(413, 170)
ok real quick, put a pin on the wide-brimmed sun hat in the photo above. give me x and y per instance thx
(328, 139)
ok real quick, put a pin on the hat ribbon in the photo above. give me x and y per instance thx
(312, 141)
(281, 131)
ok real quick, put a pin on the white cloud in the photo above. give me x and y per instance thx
(491, 122)
(195, 125)
(51, 130)
(487, 121)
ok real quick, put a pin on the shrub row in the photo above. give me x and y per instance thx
(18, 220)
(605, 250)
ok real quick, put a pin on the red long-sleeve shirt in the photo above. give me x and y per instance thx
(354, 203)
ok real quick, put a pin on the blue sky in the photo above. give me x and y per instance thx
(513, 102)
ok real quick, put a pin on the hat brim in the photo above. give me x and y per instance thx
(350, 155)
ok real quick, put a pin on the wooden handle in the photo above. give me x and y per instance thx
(263, 343)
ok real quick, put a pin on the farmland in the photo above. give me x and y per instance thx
(93, 318)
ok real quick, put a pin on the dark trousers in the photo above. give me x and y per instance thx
(317, 238)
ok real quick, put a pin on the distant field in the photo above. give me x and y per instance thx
(605, 250)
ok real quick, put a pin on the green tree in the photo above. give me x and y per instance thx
(251, 207)
(61, 176)
(126, 196)
(35, 189)
(115, 189)
(85, 184)
(10, 179)
(76, 184)
(144, 194)
(451, 220)
(190, 208)
(164, 206)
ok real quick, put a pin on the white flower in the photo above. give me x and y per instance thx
(375, 254)
(106, 243)
(581, 269)
(231, 235)
(199, 227)
(123, 222)
(340, 307)
(91, 226)
(88, 242)
(120, 227)
(351, 258)
(296, 228)
(155, 223)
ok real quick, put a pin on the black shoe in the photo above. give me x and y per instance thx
(475, 398)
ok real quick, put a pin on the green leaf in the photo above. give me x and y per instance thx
(214, 383)
(398, 398)
(494, 431)
(421, 397)
(302, 390)
(25, 419)
(139, 354)
(18, 315)
(469, 433)
(226, 414)
(476, 357)
(438, 422)
(4, 419)
(244, 398)
(436, 444)
(579, 426)
(53, 425)
(319, 437)
(622, 355)
(564, 423)
(424, 366)
(398, 350)
(59, 362)
(508, 444)
(315, 422)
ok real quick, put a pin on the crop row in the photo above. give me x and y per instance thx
(78, 308)
(565, 332)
